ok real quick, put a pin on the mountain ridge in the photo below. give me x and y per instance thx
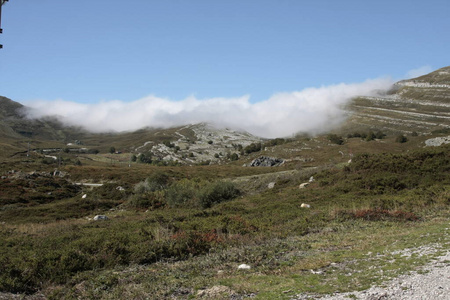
(419, 105)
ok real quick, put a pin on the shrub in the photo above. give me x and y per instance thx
(48, 161)
(151, 200)
(370, 136)
(181, 193)
(109, 191)
(379, 135)
(379, 215)
(274, 142)
(169, 144)
(194, 243)
(335, 139)
(401, 139)
(217, 192)
(253, 147)
(155, 182)
(93, 151)
(145, 158)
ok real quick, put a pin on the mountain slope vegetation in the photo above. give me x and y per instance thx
(182, 208)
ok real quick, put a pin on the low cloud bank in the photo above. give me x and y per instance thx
(419, 71)
(312, 110)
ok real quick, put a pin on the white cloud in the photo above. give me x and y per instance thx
(419, 72)
(310, 110)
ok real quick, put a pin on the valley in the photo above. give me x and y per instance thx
(180, 209)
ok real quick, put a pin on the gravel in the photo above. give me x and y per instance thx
(430, 282)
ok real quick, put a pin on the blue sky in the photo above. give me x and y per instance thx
(88, 51)
(91, 52)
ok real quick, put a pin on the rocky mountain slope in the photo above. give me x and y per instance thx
(196, 143)
(420, 104)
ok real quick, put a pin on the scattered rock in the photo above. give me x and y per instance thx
(311, 179)
(182, 292)
(59, 173)
(271, 185)
(438, 141)
(100, 218)
(244, 267)
(304, 205)
(84, 196)
(303, 185)
(215, 292)
(119, 188)
(265, 161)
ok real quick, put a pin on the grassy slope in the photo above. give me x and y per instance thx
(51, 246)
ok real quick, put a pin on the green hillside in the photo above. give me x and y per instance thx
(182, 208)
(420, 104)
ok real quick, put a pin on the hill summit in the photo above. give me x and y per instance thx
(419, 105)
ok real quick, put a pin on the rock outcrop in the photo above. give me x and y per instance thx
(265, 161)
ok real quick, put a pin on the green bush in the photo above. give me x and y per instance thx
(217, 192)
(253, 147)
(401, 139)
(155, 182)
(152, 200)
(335, 139)
(181, 193)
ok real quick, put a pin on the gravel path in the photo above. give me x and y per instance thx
(431, 282)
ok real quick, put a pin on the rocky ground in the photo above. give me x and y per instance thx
(430, 282)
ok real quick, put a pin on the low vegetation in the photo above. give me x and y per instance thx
(49, 242)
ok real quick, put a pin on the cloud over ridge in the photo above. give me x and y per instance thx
(311, 110)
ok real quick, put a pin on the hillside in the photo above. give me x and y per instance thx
(420, 104)
(16, 130)
(416, 106)
(179, 213)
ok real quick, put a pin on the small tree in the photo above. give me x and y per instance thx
(379, 135)
(112, 150)
(370, 136)
(401, 139)
(335, 139)
(146, 159)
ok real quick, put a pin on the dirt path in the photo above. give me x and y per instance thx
(430, 282)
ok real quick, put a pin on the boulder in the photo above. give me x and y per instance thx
(216, 292)
(271, 185)
(303, 185)
(100, 218)
(265, 161)
(244, 267)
